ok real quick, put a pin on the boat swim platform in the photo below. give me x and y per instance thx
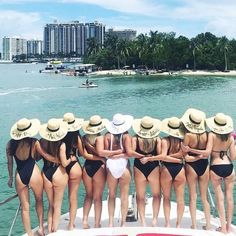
(134, 228)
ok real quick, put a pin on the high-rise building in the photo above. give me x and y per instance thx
(127, 34)
(34, 47)
(71, 38)
(12, 47)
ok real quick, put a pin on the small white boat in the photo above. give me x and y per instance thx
(133, 225)
(88, 85)
(53, 67)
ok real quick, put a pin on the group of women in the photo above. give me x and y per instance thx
(187, 153)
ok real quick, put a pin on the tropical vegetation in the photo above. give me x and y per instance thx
(164, 51)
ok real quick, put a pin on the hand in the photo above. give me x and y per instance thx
(185, 148)
(144, 160)
(10, 180)
(73, 158)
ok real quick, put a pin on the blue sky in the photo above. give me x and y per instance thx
(26, 18)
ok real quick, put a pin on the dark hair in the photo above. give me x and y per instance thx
(223, 137)
(14, 144)
(174, 145)
(71, 140)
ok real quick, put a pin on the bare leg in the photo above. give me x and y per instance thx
(23, 193)
(216, 182)
(229, 185)
(99, 181)
(192, 185)
(73, 186)
(88, 184)
(36, 184)
(203, 185)
(140, 185)
(60, 180)
(179, 184)
(49, 191)
(166, 183)
(124, 195)
(112, 187)
(154, 181)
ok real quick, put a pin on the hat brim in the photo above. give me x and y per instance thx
(219, 129)
(113, 129)
(147, 133)
(31, 132)
(76, 125)
(89, 129)
(54, 136)
(192, 127)
(177, 133)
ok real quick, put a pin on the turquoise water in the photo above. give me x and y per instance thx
(45, 96)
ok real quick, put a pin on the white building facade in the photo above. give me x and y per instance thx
(71, 38)
(34, 47)
(12, 47)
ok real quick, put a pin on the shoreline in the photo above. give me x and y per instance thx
(171, 73)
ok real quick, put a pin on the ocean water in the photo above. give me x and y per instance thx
(24, 92)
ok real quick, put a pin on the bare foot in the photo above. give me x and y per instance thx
(178, 225)
(205, 227)
(110, 225)
(143, 224)
(193, 227)
(229, 228)
(167, 225)
(86, 225)
(219, 229)
(40, 232)
(154, 222)
(71, 226)
(97, 226)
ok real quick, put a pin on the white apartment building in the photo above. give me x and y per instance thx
(12, 47)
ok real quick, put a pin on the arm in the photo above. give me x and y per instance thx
(101, 143)
(204, 153)
(9, 164)
(232, 150)
(130, 147)
(62, 156)
(44, 154)
(89, 156)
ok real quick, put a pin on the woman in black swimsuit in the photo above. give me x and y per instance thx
(23, 148)
(222, 150)
(146, 143)
(55, 177)
(73, 144)
(172, 172)
(94, 171)
(196, 167)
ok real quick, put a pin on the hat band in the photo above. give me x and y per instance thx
(172, 127)
(25, 128)
(96, 124)
(193, 121)
(53, 130)
(119, 124)
(71, 122)
(146, 127)
(219, 123)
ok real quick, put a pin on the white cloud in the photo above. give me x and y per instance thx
(142, 7)
(26, 25)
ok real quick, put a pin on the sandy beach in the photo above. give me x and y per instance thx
(174, 73)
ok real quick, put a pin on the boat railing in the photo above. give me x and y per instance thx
(16, 214)
(212, 203)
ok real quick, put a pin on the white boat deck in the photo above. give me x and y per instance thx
(133, 228)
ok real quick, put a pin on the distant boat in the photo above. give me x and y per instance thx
(88, 85)
(54, 67)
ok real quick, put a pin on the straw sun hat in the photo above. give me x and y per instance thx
(74, 124)
(54, 130)
(173, 127)
(194, 121)
(119, 124)
(94, 125)
(147, 127)
(220, 124)
(25, 128)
